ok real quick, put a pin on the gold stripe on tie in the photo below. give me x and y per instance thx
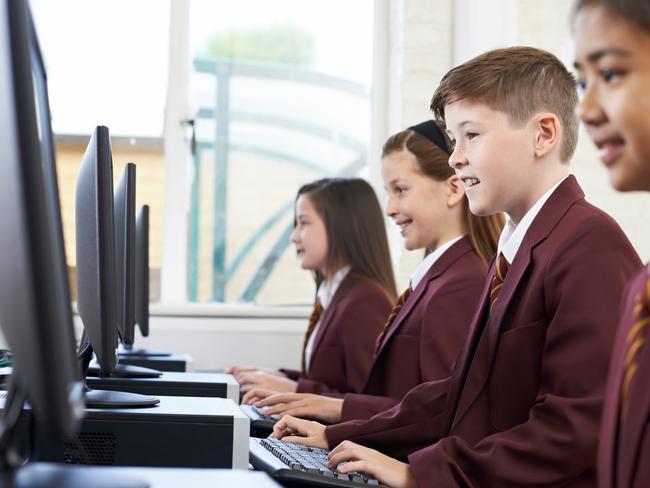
(499, 277)
(313, 320)
(635, 342)
(391, 318)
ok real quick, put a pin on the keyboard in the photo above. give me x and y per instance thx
(293, 464)
(261, 425)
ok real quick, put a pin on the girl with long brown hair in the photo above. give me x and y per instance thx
(339, 234)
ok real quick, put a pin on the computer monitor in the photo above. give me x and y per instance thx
(141, 285)
(125, 251)
(35, 311)
(96, 270)
(96, 283)
(142, 270)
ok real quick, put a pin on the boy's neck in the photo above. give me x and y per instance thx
(542, 184)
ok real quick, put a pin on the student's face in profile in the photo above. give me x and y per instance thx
(492, 157)
(416, 202)
(310, 236)
(613, 64)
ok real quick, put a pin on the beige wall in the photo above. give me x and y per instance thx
(149, 190)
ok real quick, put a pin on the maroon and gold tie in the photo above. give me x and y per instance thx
(391, 318)
(634, 342)
(498, 279)
(313, 320)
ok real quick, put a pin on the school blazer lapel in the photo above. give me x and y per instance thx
(440, 266)
(633, 427)
(565, 195)
(330, 311)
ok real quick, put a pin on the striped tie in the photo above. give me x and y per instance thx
(393, 313)
(635, 341)
(313, 320)
(498, 279)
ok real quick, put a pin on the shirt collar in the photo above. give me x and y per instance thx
(428, 261)
(512, 236)
(328, 288)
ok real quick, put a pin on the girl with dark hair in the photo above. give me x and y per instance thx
(428, 325)
(339, 234)
(613, 67)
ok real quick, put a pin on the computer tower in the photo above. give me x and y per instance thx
(215, 385)
(180, 432)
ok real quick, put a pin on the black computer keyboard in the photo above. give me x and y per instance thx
(261, 425)
(293, 464)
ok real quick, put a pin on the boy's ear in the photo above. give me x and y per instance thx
(547, 133)
(455, 191)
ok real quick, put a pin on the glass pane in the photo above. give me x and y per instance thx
(281, 91)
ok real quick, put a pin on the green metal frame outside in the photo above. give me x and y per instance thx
(223, 71)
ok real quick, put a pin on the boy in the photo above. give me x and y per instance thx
(612, 46)
(523, 402)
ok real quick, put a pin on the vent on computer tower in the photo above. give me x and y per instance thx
(96, 448)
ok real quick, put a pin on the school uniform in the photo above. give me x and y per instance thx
(340, 350)
(523, 404)
(624, 450)
(423, 340)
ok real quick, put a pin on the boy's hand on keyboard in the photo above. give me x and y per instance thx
(299, 431)
(357, 458)
(262, 379)
(256, 394)
(303, 405)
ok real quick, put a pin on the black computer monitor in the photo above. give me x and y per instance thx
(97, 286)
(96, 281)
(141, 286)
(35, 311)
(142, 270)
(125, 253)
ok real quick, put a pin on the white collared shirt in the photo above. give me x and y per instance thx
(325, 293)
(512, 236)
(427, 262)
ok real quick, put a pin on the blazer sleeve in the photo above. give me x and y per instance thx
(559, 439)
(414, 423)
(292, 374)
(361, 319)
(360, 406)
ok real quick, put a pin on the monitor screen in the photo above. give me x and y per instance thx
(142, 270)
(125, 237)
(35, 311)
(96, 281)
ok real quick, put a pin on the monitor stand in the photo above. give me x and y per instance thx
(14, 474)
(107, 398)
(126, 371)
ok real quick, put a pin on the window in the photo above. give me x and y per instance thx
(281, 97)
(107, 65)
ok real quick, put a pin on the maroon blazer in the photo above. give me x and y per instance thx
(624, 453)
(345, 340)
(425, 337)
(523, 404)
